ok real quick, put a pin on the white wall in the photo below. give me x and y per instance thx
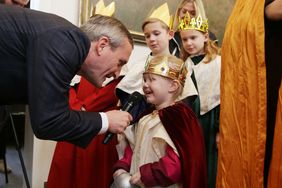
(68, 9)
(38, 153)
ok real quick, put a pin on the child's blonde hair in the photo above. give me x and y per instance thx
(155, 20)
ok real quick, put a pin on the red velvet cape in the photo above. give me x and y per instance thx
(184, 130)
(74, 167)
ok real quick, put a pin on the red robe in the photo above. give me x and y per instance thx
(184, 130)
(75, 167)
(186, 134)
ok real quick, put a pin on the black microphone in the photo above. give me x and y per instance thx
(133, 99)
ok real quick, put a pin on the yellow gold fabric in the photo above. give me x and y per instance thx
(275, 171)
(243, 98)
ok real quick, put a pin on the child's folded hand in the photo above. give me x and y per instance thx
(136, 179)
(118, 172)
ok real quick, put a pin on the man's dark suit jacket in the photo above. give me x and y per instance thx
(39, 55)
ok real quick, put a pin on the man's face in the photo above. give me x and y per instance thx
(16, 2)
(104, 62)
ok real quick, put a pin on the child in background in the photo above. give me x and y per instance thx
(204, 63)
(157, 35)
(165, 147)
(194, 8)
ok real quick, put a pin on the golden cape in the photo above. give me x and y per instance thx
(243, 98)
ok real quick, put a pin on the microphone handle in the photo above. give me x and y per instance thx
(128, 107)
(109, 135)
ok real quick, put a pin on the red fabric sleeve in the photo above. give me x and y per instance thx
(75, 104)
(101, 97)
(92, 98)
(125, 162)
(165, 172)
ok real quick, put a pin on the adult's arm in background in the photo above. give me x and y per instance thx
(273, 10)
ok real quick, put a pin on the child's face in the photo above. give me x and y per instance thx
(156, 89)
(187, 8)
(157, 38)
(193, 41)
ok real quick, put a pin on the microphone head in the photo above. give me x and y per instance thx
(135, 97)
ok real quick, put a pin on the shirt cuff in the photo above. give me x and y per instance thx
(105, 123)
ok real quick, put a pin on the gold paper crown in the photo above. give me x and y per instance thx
(168, 66)
(100, 8)
(162, 13)
(193, 23)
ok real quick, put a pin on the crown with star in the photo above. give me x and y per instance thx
(167, 66)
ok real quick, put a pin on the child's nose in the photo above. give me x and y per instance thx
(189, 42)
(152, 37)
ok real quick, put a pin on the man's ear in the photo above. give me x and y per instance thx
(174, 85)
(101, 44)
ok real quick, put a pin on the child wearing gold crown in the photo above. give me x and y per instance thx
(204, 64)
(157, 34)
(194, 8)
(165, 147)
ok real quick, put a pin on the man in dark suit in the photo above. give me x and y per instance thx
(39, 55)
(3, 111)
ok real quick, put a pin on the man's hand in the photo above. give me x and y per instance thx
(118, 120)
(274, 10)
(217, 139)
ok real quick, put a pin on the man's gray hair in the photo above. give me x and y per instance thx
(99, 25)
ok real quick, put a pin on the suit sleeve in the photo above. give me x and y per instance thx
(56, 57)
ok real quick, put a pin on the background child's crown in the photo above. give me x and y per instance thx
(100, 8)
(197, 23)
(162, 13)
